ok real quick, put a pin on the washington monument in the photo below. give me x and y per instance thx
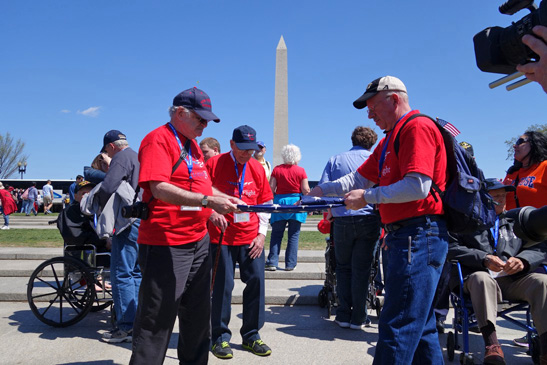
(281, 103)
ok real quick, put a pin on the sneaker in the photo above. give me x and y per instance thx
(222, 350)
(258, 347)
(5, 227)
(49, 212)
(522, 342)
(493, 355)
(270, 268)
(366, 324)
(289, 268)
(118, 336)
(342, 324)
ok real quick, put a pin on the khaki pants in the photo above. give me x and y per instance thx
(486, 292)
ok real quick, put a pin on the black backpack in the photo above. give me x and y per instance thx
(467, 205)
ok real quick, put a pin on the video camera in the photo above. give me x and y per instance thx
(529, 224)
(500, 50)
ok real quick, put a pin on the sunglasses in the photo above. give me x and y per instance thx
(520, 141)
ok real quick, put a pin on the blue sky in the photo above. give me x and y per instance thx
(72, 70)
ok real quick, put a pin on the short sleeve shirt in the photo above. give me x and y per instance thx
(288, 178)
(256, 190)
(421, 150)
(531, 186)
(168, 224)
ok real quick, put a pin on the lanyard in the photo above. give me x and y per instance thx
(495, 232)
(241, 181)
(383, 155)
(188, 160)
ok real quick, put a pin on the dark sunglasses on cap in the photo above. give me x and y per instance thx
(520, 141)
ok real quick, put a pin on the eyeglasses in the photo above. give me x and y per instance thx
(372, 109)
(199, 118)
(520, 141)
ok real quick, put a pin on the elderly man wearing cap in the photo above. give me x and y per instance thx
(497, 265)
(417, 240)
(259, 156)
(235, 173)
(173, 241)
(125, 273)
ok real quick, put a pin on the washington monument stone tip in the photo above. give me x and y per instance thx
(281, 103)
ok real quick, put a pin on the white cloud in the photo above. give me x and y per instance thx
(65, 111)
(92, 111)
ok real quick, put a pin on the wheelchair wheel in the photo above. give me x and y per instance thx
(58, 292)
(450, 345)
(103, 297)
(323, 298)
(466, 359)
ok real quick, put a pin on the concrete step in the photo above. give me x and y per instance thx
(304, 271)
(281, 292)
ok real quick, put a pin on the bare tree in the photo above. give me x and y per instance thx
(534, 127)
(11, 152)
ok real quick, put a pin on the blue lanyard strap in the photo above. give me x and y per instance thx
(241, 181)
(383, 155)
(188, 160)
(495, 232)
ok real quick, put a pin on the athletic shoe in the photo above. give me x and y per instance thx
(258, 347)
(367, 324)
(342, 324)
(270, 268)
(118, 336)
(49, 212)
(289, 268)
(522, 342)
(222, 350)
(5, 227)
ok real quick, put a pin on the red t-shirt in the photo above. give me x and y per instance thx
(168, 225)
(531, 188)
(256, 190)
(288, 178)
(421, 150)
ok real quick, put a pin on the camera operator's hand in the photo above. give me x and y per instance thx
(219, 221)
(536, 71)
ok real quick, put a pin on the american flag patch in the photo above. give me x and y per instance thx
(449, 127)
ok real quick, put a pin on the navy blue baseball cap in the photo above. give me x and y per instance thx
(245, 138)
(494, 184)
(112, 136)
(198, 101)
(261, 144)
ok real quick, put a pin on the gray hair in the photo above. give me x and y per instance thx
(173, 110)
(402, 95)
(291, 154)
(121, 143)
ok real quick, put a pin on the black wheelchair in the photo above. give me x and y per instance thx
(464, 319)
(63, 290)
(327, 295)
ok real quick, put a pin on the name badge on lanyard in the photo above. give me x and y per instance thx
(241, 217)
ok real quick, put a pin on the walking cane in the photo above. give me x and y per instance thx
(217, 258)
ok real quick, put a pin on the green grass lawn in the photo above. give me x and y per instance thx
(52, 238)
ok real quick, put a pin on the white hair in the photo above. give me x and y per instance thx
(173, 110)
(291, 154)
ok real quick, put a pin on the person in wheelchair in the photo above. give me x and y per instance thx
(497, 265)
(77, 228)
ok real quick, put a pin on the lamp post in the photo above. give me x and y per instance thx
(22, 168)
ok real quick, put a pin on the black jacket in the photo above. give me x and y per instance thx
(77, 228)
(470, 250)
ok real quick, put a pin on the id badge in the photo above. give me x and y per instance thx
(186, 208)
(241, 217)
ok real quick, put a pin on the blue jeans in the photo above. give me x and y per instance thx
(6, 217)
(407, 332)
(252, 274)
(291, 253)
(30, 207)
(125, 275)
(355, 242)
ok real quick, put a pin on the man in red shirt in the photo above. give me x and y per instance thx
(417, 239)
(237, 174)
(173, 240)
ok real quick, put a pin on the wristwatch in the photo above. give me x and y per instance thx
(204, 201)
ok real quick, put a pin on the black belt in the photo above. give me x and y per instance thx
(392, 227)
